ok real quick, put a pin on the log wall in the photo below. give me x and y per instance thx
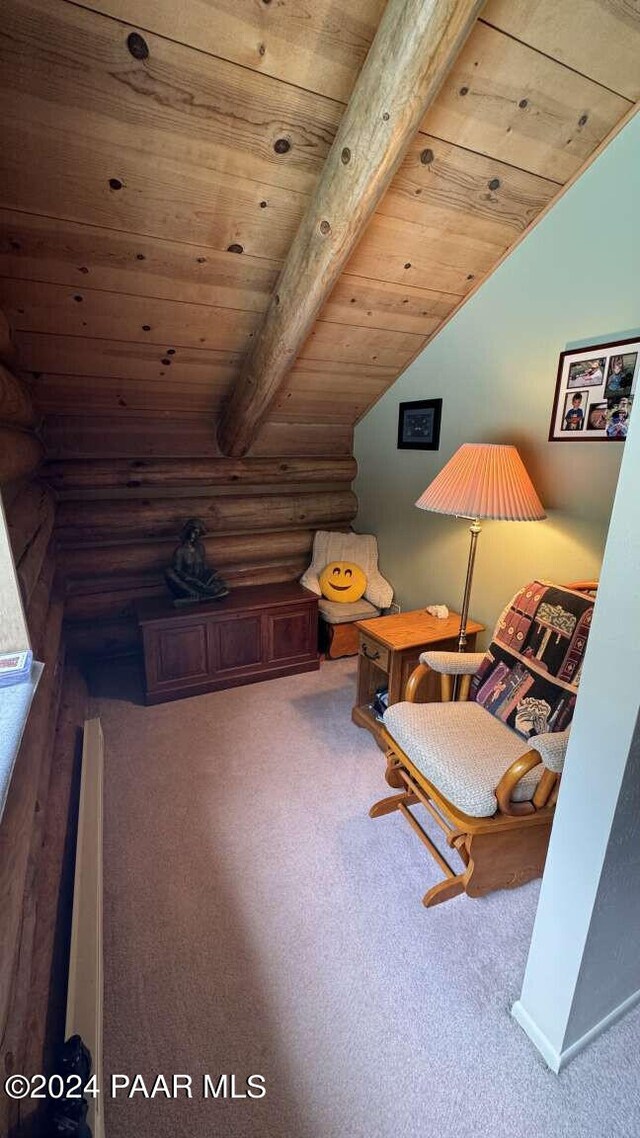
(119, 519)
(34, 826)
(29, 503)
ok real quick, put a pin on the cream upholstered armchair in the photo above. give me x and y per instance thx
(338, 633)
(486, 763)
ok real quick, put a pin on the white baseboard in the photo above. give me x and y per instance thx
(85, 989)
(537, 1037)
(555, 1059)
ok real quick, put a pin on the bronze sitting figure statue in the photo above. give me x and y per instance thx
(189, 577)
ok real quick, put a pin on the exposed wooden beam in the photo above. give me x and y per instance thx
(415, 45)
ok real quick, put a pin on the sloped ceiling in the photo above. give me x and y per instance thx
(157, 160)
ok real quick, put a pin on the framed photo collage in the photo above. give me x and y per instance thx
(595, 390)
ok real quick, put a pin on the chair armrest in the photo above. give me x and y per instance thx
(446, 664)
(590, 586)
(378, 591)
(549, 748)
(418, 674)
(510, 779)
(453, 663)
(552, 748)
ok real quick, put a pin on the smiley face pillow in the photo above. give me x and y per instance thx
(342, 581)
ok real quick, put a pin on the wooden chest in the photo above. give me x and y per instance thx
(255, 633)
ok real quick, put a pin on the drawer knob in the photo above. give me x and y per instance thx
(370, 655)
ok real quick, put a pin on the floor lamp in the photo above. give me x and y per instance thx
(482, 480)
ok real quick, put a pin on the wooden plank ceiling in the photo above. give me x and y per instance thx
(158, 158)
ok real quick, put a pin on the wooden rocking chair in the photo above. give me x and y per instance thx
(467, 759)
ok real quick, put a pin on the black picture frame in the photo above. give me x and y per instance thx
(419, 424)
(595, 392)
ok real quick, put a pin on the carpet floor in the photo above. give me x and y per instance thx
(258, 922)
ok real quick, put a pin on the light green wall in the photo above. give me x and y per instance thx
(571, 283)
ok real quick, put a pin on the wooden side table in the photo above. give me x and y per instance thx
(389, 648)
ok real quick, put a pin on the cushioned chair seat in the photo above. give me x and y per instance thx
(462, 750)
(335, 613)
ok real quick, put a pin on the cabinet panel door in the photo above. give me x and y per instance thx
(290, 633)
(239, 642)
(181, 653)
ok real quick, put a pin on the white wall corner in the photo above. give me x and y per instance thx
(549, 1053)
(555, 1059)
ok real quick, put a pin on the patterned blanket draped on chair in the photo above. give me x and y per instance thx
(531, 670)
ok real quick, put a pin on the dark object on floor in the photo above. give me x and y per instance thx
(189, 578)
(380, 702)
(68, 1115)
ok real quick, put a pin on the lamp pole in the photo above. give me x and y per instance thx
(474, 530)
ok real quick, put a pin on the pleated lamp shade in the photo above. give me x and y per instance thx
(484, 480)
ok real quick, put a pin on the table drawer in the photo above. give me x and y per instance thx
(373, 651)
